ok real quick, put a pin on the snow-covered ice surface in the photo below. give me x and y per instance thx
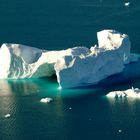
(133, 92)
(78, 66)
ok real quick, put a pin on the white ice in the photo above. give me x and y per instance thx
(7, 115)
(133, 93)
(127, 4)
(78, 66)
(90, 66)
(46, 100)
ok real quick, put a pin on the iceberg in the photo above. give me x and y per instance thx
(90, 66)
(78, 66)
(133, 93)
(20, 61)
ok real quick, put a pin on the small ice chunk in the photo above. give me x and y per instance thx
(127, 4)
(7, 115)
(119, 130)
(70, 108)
(46, 100)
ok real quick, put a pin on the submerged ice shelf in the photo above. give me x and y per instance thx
(78, 66)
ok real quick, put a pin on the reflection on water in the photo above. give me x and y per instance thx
(45, 87)
(19, 87)
(78, 113)
(5, 88)
(123, 114)
(29, 118)
(25, 87)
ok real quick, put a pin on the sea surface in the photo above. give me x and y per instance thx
(74, 114)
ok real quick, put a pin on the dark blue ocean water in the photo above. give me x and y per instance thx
(76, 114)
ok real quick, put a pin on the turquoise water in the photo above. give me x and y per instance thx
(74, 114)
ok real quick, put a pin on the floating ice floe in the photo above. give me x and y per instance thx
(46, 100)
(78, 66)
(7, 115)
(133, 92)
(127, 4)
(70, 108)
(119, 130)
